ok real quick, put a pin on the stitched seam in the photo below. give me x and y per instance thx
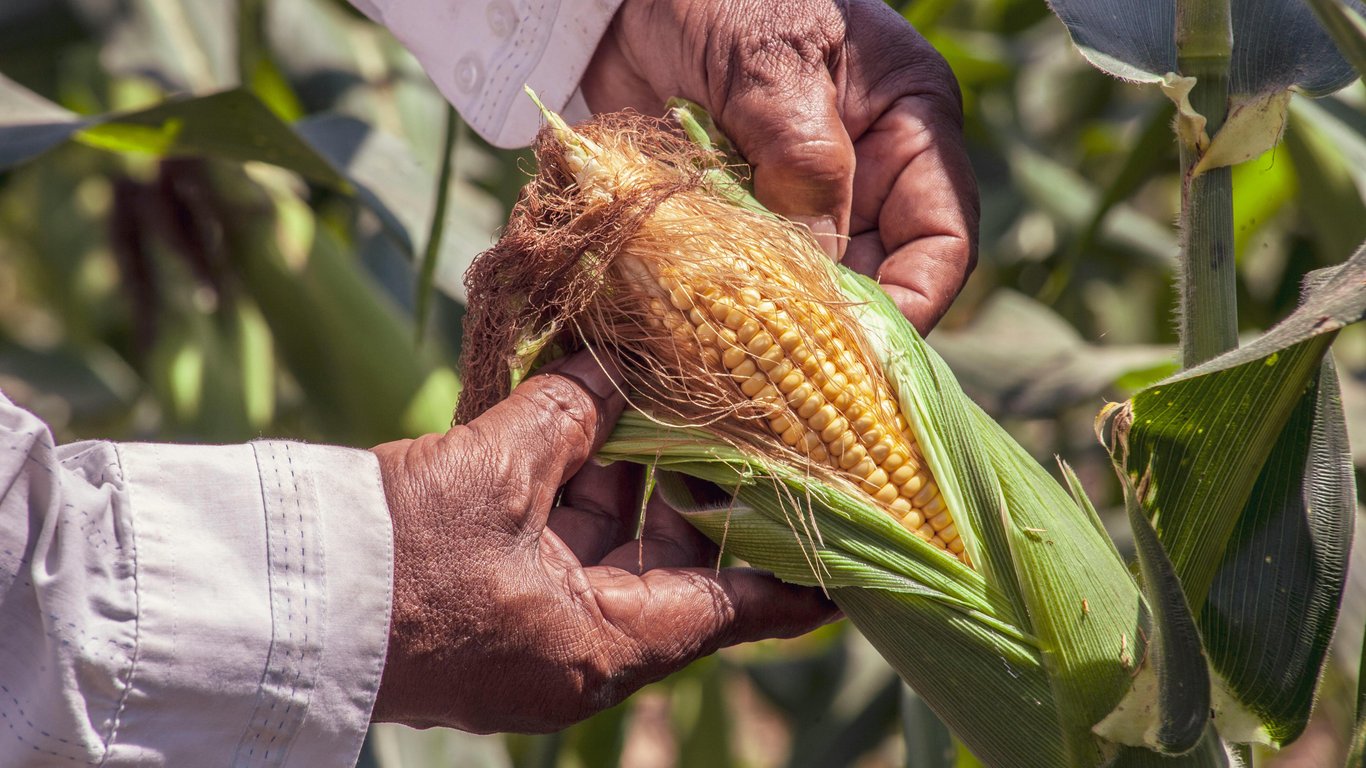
(137, 615)
(261, 690)
(303, 643)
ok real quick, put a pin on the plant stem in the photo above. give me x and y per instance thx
(1209, 304)
(427, 271)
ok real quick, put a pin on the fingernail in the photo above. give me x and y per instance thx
(596, 372)
(826, 233)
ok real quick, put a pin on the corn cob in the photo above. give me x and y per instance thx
(812, 392)
(759, 332)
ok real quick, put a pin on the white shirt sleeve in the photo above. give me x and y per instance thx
(480, 53)
(188, 605)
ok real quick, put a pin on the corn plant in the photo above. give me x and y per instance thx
(1236, 471)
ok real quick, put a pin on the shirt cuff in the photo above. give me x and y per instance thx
(263, 584)
(480, 54)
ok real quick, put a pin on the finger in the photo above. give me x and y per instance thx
(666, 541)
(916, 210)
(670, 616)
(597, 509)
(781, 111)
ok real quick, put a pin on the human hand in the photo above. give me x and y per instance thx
(850, 119)
(512, 613)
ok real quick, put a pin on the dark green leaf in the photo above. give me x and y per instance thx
(1274, 601)
(1174, 653)
(1276, 43)
(1347, 28)
(1251, 497)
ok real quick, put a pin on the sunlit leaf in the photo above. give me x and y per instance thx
(232, 125)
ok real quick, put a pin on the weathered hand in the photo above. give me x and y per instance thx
(514, 614)
(850, 119)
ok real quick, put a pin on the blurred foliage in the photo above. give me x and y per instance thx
(261, 280)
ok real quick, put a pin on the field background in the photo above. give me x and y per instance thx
(206, 295)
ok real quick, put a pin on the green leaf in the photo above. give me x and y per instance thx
(432, 251)
(1346, 26)
(1070, 199)
(700, 720)
(1142, 160)
(390, 745)
(855, 733)
(344, 341)
(231, 125)
(1273, 604)
(1208, 431)
(1277, 44)
(1019, 357)
(1250, 493)
(1172, 676)
(1329, 196)
(1356, 752)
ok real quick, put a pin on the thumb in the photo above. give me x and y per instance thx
(556, 419)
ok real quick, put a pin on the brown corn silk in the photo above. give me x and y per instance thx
(722, 316)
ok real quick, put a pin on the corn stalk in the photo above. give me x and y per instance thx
(1209, 310)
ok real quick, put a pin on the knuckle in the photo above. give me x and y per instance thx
(558, 403)
(777, 45)
(818, 160)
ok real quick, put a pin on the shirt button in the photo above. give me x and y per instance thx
(469, 75)
(502, 19)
